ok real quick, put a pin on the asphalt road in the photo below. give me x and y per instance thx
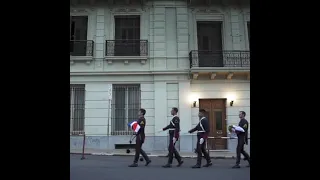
(116, 168)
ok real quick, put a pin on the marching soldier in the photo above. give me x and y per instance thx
(174, 129)
(140, 136)
(202, 136)
(242, 139)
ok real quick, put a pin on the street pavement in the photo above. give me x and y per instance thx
(116, 168)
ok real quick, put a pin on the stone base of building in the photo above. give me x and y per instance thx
(153, 145)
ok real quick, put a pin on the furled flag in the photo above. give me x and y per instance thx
(236, 128)
(134, 126)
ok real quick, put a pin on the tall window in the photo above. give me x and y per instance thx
(248, 27)
(210, 43)
(77, 107)
(78, 35)
(125, 106)
(127, 35)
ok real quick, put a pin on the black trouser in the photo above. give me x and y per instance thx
(139, 142)
(169, 147)
(240, 149)
(173, 150)
(201, 149)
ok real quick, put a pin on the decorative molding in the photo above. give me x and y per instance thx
(87, 59)
(220, 69)
(81, 11)
(164, 72)
(126, 59)
(205, 10)
(127, 11)
(210, 11)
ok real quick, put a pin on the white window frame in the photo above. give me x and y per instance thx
(114, 101)
(209, 17)
(128, 12)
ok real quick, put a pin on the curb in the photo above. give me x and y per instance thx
(150, 155)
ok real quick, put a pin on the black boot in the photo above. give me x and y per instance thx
(148, 162)
(180, 163)
(133, 165)
(208, 164)
(236, 166)
(196, 166)
(167, 166)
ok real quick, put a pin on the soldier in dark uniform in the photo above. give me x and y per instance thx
(140, 136)
(242, 139)
(202, 136)
(174, 130)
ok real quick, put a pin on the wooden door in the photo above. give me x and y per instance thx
(216, 113)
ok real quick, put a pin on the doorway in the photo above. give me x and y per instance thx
(216, 114)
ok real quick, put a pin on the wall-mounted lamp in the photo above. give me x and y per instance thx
(231, 103)
(194, 104)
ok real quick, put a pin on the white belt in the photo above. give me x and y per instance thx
(201, 131)
(171, 129)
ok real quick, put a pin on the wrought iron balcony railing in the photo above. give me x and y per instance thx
(123, 47)
(81, 47)
(219, 58)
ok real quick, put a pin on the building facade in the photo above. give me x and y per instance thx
(156, 54)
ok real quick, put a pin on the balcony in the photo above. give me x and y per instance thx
(219, 63)
(81, 50)
(126, 50)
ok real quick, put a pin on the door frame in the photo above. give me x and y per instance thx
(226, 105)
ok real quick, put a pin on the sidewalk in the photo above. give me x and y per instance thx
(214, 154)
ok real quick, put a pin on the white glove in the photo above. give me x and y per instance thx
(174, 140)
(201, 141)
